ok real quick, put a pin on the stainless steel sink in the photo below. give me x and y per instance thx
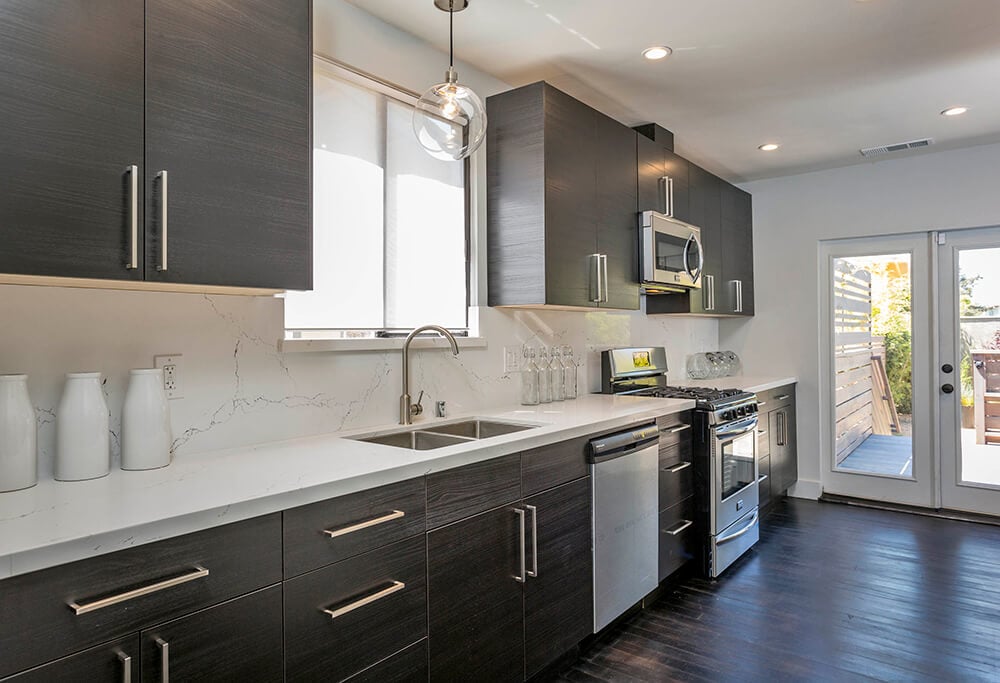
(438, 436)
(480, 429)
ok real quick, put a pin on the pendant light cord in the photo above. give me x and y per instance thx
(451, 33)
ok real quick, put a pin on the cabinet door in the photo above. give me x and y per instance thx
(558, 602)
(790, 467)
(649, 158)
(239, 640)
(227, 117)
(570, 205)
(675, 167)
(617, 221)
(737, 260)
(705, 193)
(108, 663)
(475, 603)
(71, 110)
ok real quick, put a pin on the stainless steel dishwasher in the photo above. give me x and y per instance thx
(625, 488)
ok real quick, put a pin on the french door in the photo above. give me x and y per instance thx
(967, 369)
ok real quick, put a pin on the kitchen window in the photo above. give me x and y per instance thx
(390, 223)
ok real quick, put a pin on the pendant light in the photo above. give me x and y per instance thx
(450, 119)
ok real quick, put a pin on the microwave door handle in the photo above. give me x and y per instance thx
(701, 259)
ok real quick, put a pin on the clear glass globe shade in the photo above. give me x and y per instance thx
(450, 121)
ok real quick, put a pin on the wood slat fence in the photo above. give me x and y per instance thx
(986, 392)
(852, 328)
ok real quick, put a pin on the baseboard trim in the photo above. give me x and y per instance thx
(806, 488)
(957, 515)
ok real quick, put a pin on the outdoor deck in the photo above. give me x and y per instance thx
(880, 454)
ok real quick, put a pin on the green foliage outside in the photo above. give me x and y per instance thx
(891, 319)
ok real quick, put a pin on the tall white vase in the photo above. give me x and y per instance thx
(18, 435)
(146, 435)
(83, 445)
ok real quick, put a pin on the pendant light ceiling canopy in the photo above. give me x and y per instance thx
(449, 119)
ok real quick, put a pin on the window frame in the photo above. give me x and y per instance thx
(405, 96)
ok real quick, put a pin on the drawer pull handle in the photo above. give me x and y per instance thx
(367, 600)
(762, 432)
(762, 477)
(164, 647)
(680, 527)
(343, 531)
(677, 468)
(761, 403)
(197, 573)
(675, 430)
(126, 667)
(783, 397)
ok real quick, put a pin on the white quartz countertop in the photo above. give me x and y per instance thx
(58, 522)
(744, 382)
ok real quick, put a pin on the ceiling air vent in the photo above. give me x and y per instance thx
(896, 147)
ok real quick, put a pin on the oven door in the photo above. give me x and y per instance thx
(734, 465)
(671, 252)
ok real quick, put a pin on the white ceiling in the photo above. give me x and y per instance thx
(821, 77)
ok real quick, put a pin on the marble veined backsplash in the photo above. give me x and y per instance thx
(239, 389)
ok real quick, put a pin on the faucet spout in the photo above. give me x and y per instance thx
(407, 409)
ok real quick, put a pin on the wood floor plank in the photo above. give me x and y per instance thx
(830, 593)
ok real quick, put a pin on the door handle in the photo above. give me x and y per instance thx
(164, 648)
(126, 667)
(133, 217)
(667, 195)
(533, 572)
(523, 565)
(947, 388)
(595, 278)
(162, 265)
(604, 273)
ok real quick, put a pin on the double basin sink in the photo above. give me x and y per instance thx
(438, 436)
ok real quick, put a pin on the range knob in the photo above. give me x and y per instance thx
(741, 411)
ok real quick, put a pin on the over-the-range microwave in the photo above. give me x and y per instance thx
(671, 254)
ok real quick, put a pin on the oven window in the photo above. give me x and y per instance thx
(738, 470)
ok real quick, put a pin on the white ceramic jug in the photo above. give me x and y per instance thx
(83, 445)
(18, 435)
(146, 435)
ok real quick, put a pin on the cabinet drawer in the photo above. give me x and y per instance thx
(550, 466)
(763, 481)
(763, 436)
(674, 429)
(102, 664)
(122, 592)
(776, 398)
(678, 452)
(678, 537)
(676, 480)
(408, 666)
(332, 530)
(465, 491)
(348, 616)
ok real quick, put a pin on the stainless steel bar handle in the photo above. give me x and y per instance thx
(126, 667)
(133, 217)
(667, 192)
(783, 397)
(164, 647)
(595, 278)
(164, 200)
(677, 468)
(738, 308)
(196, 573)
(762, 477)
(747, 528)
(604, 272)
(343, 531)
(682, 428)
(708, 293)
(761, 432)
(533, 572)
(681, 527)
(761, 403)
(374, 597)
(781, 427)
(523, 575)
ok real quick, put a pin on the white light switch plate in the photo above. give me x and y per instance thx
(173, 367)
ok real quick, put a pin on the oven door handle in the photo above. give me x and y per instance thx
(736, 428)
(744, 530)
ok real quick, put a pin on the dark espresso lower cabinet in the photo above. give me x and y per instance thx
(475, 602)
(239, 640)
(109, 663)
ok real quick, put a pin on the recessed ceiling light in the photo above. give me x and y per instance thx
(769, 147)
(954, 111)
(656, 52)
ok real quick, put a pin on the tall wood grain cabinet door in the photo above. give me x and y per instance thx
(228, 142)
(617, 216)
(70, 129)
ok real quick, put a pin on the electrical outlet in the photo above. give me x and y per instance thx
(511, 359)
(172, 370)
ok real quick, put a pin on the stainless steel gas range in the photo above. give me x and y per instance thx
(725, 450)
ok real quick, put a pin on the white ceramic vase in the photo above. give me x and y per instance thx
(146, 435)
(18, 435)
(83, 445)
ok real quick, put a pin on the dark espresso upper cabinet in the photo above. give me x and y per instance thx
(165, 141)
(227, 120)
(71, 108)
(737, 254)
(561, 203)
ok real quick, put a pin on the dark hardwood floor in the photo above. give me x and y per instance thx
(831, 593)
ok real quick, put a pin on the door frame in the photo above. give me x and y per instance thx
(922, 489)
(953, 493)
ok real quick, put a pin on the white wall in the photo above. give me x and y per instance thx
(238, 389)
(952, 189)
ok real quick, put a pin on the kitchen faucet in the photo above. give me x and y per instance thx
(408, 410)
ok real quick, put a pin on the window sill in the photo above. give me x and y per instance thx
(356, 345)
